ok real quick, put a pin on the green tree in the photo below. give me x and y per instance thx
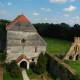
(41, 64)
(13, 69)
(3, 35)
(2, 57)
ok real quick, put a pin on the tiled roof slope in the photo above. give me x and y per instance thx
(20, 23)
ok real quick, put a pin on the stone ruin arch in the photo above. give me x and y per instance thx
(74, 51)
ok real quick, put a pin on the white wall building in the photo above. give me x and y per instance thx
(24, 44)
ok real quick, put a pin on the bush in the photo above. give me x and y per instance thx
(41, 64)
(3, 57)
(32, 65)
(13, 69)
(30, 72)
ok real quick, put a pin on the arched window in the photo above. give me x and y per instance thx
(77, 57)
(23, 41)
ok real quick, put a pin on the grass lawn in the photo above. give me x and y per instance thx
(34, 76)
(75, 65)
(56, 46)
(6, 76)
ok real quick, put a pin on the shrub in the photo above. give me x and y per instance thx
(41, 64)
(3, 56)
(13, 69)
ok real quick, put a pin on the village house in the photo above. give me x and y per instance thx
(24, 44)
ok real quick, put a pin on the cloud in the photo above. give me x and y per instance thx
(46, 19)
(46, 9)
(61, 1)
(72, 0)
(9, 3)
(58, 1)
(76, 19)
(66, 15)
(42, 8)
(71, 8)
(36, 14)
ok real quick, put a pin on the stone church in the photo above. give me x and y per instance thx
(24, 44)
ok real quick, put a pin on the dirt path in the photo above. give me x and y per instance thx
(1, 73)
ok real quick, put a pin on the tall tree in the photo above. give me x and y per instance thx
(41, 64)
(3, 35)
(2, 57)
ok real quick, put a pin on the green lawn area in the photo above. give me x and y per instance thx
(34, 76)
(56, 46)
(75, 65)
(6, 76)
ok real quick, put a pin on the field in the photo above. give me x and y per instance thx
(56, 46)
(75, 65)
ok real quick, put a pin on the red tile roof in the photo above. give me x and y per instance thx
(21, 57)
(20, 19)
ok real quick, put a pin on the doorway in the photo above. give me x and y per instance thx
(23, 64)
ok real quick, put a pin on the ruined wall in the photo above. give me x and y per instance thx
(60, 69)
(74, 51)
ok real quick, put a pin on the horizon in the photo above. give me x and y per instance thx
(39, 11)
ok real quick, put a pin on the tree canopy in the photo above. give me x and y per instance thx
(60, 31)
(2, 57)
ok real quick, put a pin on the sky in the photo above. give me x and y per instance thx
(42, 11)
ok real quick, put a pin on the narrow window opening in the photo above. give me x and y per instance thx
(36, 49)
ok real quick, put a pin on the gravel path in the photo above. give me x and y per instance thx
(24, 74)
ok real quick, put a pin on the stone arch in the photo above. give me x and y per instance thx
(77, 57)
(24, 62)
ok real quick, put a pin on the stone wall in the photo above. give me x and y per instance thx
(19, 34)
(60, 69)
(14, 52)
(74, 51)
(33, 46)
